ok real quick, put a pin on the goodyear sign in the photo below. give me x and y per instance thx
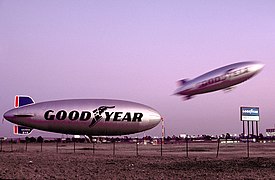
(250, 114)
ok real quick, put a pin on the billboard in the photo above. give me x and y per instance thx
(250, 114)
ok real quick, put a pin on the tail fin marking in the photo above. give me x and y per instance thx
(182, 82)
(22, 100)
(21, 130)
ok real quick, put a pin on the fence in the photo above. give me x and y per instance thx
(183, 148)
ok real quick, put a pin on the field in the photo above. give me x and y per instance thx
(129, 161)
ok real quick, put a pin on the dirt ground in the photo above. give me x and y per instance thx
(19, 162)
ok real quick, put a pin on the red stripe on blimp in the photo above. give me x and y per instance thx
(16, 103)
(15, 129)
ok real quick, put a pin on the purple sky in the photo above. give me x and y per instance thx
(137, 50)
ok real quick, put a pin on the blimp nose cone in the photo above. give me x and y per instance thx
(257, 67)
(155, 118)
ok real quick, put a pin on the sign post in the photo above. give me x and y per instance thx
(250, 114)
(247, 141)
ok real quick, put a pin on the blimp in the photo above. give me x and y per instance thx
(91, 117)
(223, 78)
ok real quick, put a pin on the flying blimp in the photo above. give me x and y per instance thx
(225, 77)
(82, 116)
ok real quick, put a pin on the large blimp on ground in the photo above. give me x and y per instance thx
(222, 78)
(84, 116)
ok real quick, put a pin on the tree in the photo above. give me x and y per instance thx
(40, 139)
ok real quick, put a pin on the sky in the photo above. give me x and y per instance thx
(137, 51)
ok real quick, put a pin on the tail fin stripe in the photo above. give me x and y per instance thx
(15, 128)
(16, 104)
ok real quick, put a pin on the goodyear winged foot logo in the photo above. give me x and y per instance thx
(97, 114)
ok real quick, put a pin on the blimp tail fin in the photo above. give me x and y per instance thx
(22, 100)
(21, 130)
(182, 82)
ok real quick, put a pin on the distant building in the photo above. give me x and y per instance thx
(270, 132)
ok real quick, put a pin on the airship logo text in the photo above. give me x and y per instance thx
(96, 115)
(230, 74)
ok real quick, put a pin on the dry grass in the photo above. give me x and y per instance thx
(202, 163)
